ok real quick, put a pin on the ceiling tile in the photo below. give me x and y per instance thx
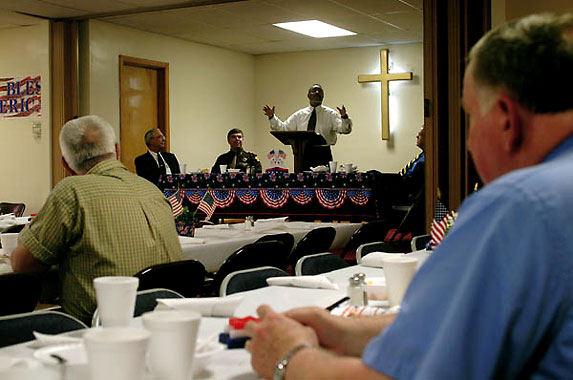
(247, 25)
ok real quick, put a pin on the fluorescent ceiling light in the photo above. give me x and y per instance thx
(315, 28)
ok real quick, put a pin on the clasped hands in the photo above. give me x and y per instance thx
(278, 333)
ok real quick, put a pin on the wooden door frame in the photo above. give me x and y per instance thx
(162, 87)
(64, 86)
(451, 27)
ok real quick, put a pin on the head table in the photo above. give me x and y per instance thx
(304, 196)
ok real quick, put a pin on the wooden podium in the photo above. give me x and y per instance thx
(299, 140)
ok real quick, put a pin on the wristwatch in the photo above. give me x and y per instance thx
(280, 368)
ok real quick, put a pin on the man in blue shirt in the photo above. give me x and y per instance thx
(495, 300)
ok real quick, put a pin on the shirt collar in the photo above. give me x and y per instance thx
(106, 165)
(153, 154)
(561, 149)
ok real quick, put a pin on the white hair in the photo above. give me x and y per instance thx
(86, 141)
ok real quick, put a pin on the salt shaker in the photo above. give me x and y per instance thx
(249, 223)
(356, 292)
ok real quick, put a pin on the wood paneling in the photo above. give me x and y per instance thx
(64, 83)
(451, 27)
(144, 104)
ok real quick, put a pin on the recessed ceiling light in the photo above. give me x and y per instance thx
(315, 28)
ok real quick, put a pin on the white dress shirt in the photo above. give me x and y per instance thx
(167, 168)
(328, 123)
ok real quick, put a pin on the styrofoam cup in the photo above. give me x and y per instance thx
(116, 353)
(116, 299)
(348, 167)
(398, 272)
(333, 166)
(9, 242)
(223, 168)
(172, 345)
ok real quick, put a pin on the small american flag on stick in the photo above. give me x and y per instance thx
(207, 205)
(443, 221)
(176, 200)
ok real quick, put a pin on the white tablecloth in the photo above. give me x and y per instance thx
(221, 241)
(229, 364)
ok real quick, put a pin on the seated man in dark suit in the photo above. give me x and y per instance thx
(237, 157)
(155, 162)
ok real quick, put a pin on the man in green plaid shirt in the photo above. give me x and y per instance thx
(101, 221)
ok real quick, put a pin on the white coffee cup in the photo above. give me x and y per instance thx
(183, 168)
(116, 353)
(333, 166)
(223, 168)
(172, 345)
(398, 272)
(9, 242)
(116, 299)
(348, 168)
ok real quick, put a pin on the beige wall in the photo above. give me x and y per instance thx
(24, 159)
(211, 90)
(283, 81)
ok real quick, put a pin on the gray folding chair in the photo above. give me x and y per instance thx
(319, 263)
(248, 279)
(146, 300)
(184, 277)
(377, 246)
(19, 328)
(419, 242)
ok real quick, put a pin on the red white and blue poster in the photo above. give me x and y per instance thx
(20, 97)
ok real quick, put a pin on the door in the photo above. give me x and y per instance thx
(143, 104)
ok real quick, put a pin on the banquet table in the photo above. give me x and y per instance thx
(213, 244)
(228, 364)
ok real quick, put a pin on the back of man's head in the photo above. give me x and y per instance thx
(86, 141)
(531, 59)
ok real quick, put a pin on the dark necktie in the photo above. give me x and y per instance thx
(233, 163)
(161, 164)
(312, 120)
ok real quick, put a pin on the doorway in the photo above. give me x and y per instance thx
(144, 104)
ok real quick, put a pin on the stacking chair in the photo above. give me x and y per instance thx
(377, 246)
(18, 328)
(248, 279)
(372, 231)
(145, 300)
(318, 263)
(315, 241)
(12, 208)
(265, 253)
(184, 277)
(21, 292)
(286, 238)
(419, 242)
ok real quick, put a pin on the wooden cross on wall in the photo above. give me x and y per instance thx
(384, 77)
